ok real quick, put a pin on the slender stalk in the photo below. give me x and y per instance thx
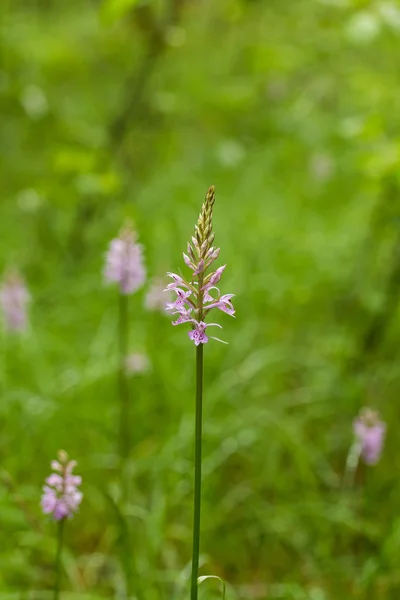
(370, 586)
(123, 384)
(197, 471)
(60, 539)
(124, 433)
(353, 458)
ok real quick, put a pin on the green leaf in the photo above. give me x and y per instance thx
(204, 577)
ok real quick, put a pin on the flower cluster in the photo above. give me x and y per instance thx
(61, 496)
(14, 298)
(196, 297)
(136, 364)
(370, 433)
(155, 299)
(124, 262)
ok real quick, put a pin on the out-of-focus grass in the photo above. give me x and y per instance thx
(291, 109)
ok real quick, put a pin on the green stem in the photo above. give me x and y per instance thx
(124, 433)
(370, 592)
(60, 538)
(352, 461)
(197, 472)
(123, 383)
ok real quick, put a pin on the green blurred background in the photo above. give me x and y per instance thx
(128, 108)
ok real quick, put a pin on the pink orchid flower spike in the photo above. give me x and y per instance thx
(198, 295)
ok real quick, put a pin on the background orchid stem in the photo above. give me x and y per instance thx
(123, 383)
(352, 461)
(197, 471)
(60, 539)
(124, 436)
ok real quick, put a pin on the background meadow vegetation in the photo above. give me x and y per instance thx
(127, 108)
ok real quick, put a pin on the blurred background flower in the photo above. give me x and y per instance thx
(14, 298)
(61, 496)
(156, 299)
(124, 262)
(137, 363)
(370, 432)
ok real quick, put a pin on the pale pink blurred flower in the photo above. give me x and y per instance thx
(155, 298)
(370, 432)
(136, 364)
(321, 167)
(124, 262)
(61, 497)
(14, 298)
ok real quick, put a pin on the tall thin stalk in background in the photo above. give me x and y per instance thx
(124, 266)
(195, 299)
(123, 384)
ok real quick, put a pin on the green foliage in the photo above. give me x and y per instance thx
(112, 10)
(132, 109)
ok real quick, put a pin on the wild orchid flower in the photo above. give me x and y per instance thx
(370, 433)
(61, 499)
(124, 262)
(14, 298)
(155, 299)
(137, 363)
(198, 295)
(61, 496)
